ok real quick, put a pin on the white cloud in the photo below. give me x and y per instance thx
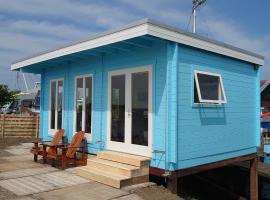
(31, 26)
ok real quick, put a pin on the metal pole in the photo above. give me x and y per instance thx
(25, 83)
(194, 20)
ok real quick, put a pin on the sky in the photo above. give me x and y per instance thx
(31, 26)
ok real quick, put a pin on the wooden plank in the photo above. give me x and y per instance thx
(3, 126)
(254, 179)
(19, 130)
(214, 165)
(7, 126)
(20, 119)
(20, 122)
(156, 171)
(37, 126)
(19, 136)
(20, 116)
(24, 128)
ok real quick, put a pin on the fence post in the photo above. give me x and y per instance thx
(3, 126)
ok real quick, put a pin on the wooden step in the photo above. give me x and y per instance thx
(124, 158)
(116, 167)
(108, 178)
(101, 176)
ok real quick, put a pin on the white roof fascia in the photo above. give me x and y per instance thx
(146, 27)
(100, 41)
(201, 44)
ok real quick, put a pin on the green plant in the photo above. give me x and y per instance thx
(7, 95)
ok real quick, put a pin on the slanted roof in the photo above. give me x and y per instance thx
(144, 27)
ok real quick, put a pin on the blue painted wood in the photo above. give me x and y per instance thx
(172, 94)
(210, 133)
(193, 134)
(99, 68)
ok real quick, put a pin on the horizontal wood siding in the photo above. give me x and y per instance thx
(211, 133)
(19, 125)
(99, 66)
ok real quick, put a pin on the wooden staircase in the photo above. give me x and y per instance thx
(116, 169)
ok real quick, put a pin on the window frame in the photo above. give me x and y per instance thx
(52, 131)
(197, 85)
(84, 76)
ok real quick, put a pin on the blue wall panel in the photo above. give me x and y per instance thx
(99, 67)
(186, 133)
(210, 133)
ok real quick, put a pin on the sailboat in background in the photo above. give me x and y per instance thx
(29, 99)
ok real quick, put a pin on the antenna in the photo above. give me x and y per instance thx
(196, 4)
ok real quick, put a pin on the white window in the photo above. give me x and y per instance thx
(83, 104)
(56, 104)
(208, 88)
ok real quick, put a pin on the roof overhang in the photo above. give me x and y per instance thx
(142, 28)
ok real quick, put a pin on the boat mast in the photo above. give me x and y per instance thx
(25, 83)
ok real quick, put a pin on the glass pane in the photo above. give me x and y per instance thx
(53, 91)
(88, 104)
(140, 108)
(59, 104)
(118, 108)
(209, 86)
(79, 104)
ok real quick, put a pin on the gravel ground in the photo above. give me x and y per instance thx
(157, 193)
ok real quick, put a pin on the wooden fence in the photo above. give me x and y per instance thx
(19, 126)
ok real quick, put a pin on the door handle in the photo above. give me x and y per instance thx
(129, 113)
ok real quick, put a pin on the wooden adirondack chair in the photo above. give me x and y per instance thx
(69, 152)
(38, 150)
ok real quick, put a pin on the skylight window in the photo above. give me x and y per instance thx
(208, 88)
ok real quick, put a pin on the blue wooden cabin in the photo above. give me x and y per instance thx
(152, 90)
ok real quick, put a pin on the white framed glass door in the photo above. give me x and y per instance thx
(56, 105)
(130, 111)
(83, 104)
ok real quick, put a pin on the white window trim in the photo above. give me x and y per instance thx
(196, 72)
(52, 131)
(88, 135)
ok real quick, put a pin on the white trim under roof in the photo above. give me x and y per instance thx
(141, 28)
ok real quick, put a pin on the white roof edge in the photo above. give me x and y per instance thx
(146, 27)
(205, 45)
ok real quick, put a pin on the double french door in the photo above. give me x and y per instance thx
(130, 111)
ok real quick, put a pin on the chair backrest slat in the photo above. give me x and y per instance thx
(56, 139)
(75, 143)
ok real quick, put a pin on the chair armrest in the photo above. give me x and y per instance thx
(52, 145)
(46, 141)
(67, 147)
